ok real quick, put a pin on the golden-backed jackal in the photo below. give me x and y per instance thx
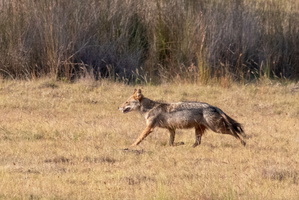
(181, 115)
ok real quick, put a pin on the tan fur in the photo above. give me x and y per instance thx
(181, 115)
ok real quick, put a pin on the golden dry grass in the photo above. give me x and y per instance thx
(64, 141)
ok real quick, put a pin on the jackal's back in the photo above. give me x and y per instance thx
(187, 105)
(179, 115)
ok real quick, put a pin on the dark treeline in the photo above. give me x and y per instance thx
(156, 40)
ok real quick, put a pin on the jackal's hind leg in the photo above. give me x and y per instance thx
(143, 135)
(198, 133)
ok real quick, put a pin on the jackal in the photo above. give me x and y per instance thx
(181, 115)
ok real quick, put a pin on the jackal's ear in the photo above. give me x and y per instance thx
(138, 95)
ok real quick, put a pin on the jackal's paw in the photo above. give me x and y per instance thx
(195, 144)
(133, 145)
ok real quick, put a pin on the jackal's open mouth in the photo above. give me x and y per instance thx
(126, 110)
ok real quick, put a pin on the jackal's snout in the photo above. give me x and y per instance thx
(124, 109)
(120, 108)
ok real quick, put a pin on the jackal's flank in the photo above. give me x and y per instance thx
(181, 115)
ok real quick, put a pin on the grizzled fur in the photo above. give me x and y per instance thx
(181, 115)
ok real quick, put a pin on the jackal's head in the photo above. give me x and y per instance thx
(132, 103)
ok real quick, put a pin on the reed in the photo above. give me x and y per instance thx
(242, 40)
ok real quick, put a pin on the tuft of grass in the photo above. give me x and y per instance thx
(276, 173)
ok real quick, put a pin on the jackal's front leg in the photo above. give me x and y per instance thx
(171, 136)
(143, 135)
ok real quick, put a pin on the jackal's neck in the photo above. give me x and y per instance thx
(147, 105)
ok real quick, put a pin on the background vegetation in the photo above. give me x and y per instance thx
(150, 41)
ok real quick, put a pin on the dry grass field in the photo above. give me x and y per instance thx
(65, 141)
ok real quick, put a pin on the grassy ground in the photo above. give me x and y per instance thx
(64, 141)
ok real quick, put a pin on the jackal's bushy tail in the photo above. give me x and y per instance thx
(234, 126)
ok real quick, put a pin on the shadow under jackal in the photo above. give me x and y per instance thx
(181, 115)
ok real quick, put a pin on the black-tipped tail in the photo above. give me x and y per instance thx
(234, 127)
